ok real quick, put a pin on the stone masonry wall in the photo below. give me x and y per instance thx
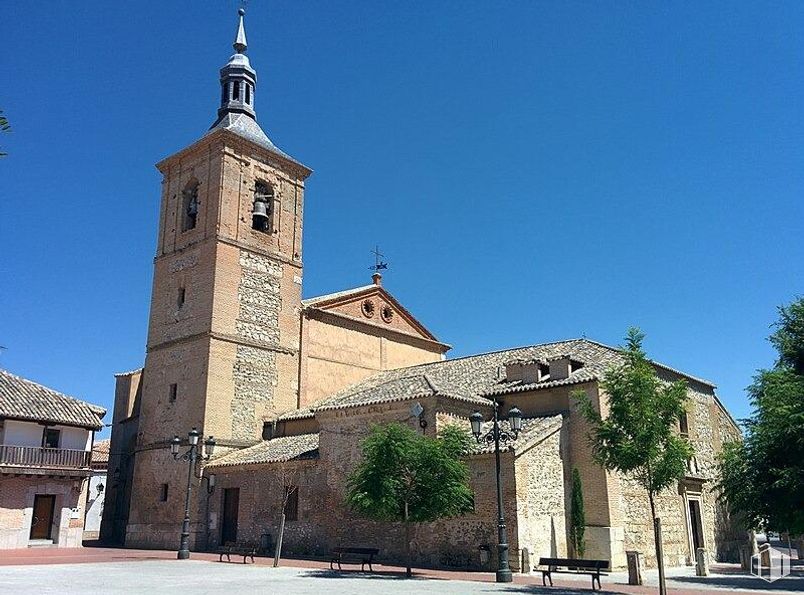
(720, 538)
(541, 515)
(254, 372)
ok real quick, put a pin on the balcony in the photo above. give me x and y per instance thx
(33, 460)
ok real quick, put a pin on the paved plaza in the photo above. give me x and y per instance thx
(112, 571)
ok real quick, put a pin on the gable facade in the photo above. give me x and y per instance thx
(349, 336)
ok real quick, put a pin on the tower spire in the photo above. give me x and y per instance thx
(239, 44)
(238, 79)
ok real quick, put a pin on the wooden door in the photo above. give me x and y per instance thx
(42, 521)
(696, 527)
(231, 500)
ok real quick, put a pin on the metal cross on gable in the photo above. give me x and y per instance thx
(378, 265)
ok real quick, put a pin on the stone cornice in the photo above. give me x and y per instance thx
(231, 242)
(223, 337)
(225, 137)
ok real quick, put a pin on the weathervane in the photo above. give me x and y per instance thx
(378, 265)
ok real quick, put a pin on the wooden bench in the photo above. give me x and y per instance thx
(247, 550)
(571, 566)
(362, 555)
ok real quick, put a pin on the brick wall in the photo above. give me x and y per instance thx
(16, 509)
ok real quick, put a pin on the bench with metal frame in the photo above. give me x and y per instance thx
(247, 550)
(355, 555)
(549, 566)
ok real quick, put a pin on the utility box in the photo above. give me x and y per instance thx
(525, 568)
(485, 555)
(634, 567)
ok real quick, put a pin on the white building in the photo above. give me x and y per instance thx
(45, 462)
(96, 493)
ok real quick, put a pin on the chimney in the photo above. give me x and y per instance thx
(377, 278)
(523, 371)
(560, 368)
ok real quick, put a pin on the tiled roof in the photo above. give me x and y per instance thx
(533, 430)
(393, 389)
(245, 126)
(23, 399)
(100, 452)
(276, 450)
(473, 377)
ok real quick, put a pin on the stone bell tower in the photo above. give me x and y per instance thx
(224, 329)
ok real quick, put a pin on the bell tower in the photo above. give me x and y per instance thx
(224, 328)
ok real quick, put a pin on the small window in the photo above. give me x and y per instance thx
(174, 392)
(181, 297)
(190, 206)
(248, 94)
(544, 372)
(262, 211)
(163, 492)
(236, 90)
(267, 430)
(684, 424)
(292, 505)
(51, 438)
(224, 94)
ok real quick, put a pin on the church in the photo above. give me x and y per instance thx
(289, 386)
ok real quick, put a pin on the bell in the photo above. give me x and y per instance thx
(260, 210)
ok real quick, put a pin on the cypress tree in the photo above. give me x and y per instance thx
(577, 516)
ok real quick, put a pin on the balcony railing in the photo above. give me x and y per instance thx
(48, 458)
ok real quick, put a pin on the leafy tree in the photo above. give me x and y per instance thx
(4, 127)
(410, 478)
(577, 516)
(762, 477)
(637, 437)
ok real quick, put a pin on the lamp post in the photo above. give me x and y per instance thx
(191, 456)
(496, 436)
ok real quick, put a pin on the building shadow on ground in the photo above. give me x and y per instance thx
(558, 590)
(492, 587)
(745, 582)
(376, 575)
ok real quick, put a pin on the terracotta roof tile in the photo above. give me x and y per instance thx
(100, 453)
(24, 399)
(276, 450)
(474, 377)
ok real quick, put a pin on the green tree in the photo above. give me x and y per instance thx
(637, 438)
(577, 515)
(762, 477)
(4, 127)
(409, 478)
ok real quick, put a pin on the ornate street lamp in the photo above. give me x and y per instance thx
(191, 456)
(496, 436)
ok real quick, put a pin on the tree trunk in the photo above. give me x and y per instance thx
(408, 571)
(657, 538)
(278, 550)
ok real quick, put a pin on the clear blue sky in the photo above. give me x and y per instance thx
(533, 171)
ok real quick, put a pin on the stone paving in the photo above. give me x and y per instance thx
(107, 570)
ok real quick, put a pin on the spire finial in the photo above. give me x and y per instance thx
(240, 41)
(378, 266)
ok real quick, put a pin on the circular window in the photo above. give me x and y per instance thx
(368, 308)
(387, 314)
